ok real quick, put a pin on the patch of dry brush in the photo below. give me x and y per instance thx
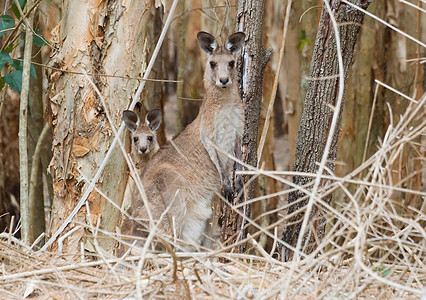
(375, 246)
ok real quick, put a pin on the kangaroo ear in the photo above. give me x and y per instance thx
(235, 42)
(131, 120)
(153, 119)
(207, 42)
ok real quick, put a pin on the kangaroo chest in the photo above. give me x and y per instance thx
(229, 127)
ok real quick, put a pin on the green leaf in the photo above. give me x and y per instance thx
(386, 272)
(10, 48)
(19, 65)
(16, 10)
(6, 22)
(303, 40)
(4, 58)
(194, 94)
(1, 83)
(14, 80)
(302, 35)
(39, 40)
(33, 73)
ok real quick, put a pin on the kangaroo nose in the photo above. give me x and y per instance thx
(224, 80)
(143, 150)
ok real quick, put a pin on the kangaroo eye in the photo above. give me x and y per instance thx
(212, 64)
(135, 139)
(231, 64)
(150, 138)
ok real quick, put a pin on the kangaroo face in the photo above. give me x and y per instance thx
(143, 135)
(220, 67)
(142, 141)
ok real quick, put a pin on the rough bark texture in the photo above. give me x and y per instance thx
(106, 38)
(316, 117)
(254, 59)
(182, 61)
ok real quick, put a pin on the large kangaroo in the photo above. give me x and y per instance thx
(187, 171)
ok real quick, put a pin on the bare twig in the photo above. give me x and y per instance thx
(35, 167)
(26, 213)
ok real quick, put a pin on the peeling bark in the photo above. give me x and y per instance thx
(101, 38)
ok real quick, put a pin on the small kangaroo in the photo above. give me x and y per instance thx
(186, 172)
(143, 135)
(143, 143)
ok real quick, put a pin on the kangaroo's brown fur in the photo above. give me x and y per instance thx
(143, 135)
(186, 172)
(144, 143)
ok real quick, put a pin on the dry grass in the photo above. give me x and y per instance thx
(375, 247)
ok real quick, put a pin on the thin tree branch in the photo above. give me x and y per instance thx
(100, 74)
(26, 214)
(35, 168)
(23, 16)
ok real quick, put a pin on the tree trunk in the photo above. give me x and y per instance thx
(100, 38)
(316, 118)
(154, 91)
(26, 206)
(40, 162)
(266, 185)
(254, 59)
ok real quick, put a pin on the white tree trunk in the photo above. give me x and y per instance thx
(100, 37)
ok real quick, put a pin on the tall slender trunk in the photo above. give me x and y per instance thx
(27, 208)
(317, 114)
(254, 59)
(37, 160)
